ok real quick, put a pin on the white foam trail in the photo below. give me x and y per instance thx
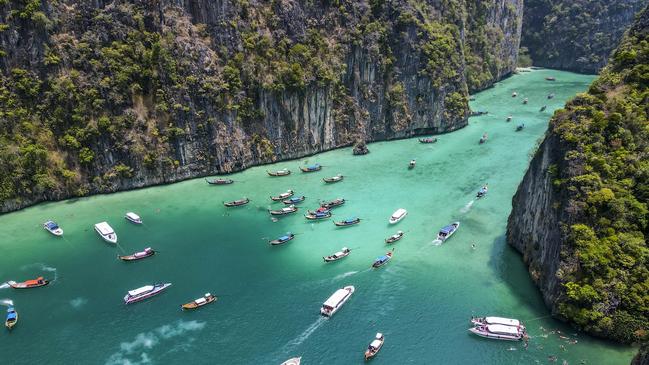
(7, 302)
(77, 303)
(342, 276)
(437, 242)
(304, 335)
(4, 286)
(467, 207)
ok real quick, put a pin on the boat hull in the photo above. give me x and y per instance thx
(236, 203)
(393, 239)
(193, 305)
(56, 232)
(154, 292)
(15, 285)
(135, 258)
(495, 336)
(279, 173)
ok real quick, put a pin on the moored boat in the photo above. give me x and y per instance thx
(394, 238)
(543, 108)
(333, 179)
(484, 321)
(428, 140)
(292, 361)
(282, 240)
(333, 203)
(311, 168)
(28, 284)
(550, 95)
(374, 346)
(348, 222)
(289, 193)
(132, 217)
(204, 300)
(283, 172)
(483, 139)
(147, 252)
(237, 203)
(398, 215)
(145, 292)
(219, 181)
(412, 164)
(12, 318)
(284, 211)
(482, 192)
(336, 300)
(550, 78)
(499, 332)
(317, 214)
(106, 232)
(53, 228)
(446, 232)
(382, 260)
(338, 255)
(294, 200)
(520, 127)
(514, 94)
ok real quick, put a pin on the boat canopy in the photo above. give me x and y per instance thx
(132, 215)
(284, 238)
(400, 212)
(313, 166)
(34, 282)
(142, 290)
(382, 258)
(336, 298)
(200, 300)
(51, 225)
(350, 220)
(104, 228)
(448, 229)
(502, 329)
(375, 344)
(501, 320)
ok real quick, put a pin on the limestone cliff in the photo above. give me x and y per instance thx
(99, 96)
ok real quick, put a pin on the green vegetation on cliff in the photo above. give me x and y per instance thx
(576, 35)
(605, 176)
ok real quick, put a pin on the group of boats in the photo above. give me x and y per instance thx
(498, 328)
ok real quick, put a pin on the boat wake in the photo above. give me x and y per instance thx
(342, 276)
(4, 285)
(304, 335)
(42, 267)
(77, 303)
(467, 207)
(7, 302)
(436, 242)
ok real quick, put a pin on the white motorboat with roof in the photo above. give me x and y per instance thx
(338, 255)
(398, 215)
(446, 232)
(482, 321)
(293, 361)
(132, 217)
(144, 292)
(336, 301)
(499, 332)
(374, 346)
(53, 228)
(106, 232)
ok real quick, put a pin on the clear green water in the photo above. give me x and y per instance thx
(270, 296)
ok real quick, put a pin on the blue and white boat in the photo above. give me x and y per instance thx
(282, 240)
(382, 260)
(446, 232)
(53, 228)
(12, 318)
(482, 192)
(311, 168)
(294, 200)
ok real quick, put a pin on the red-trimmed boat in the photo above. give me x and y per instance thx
(148, 252)
(28, 284)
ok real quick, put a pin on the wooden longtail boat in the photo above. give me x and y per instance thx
(284, 172)
(219, 181)
(148, 252)
(338, 255)
(394, 238)
(294, 200)
(289, 193)
(28, 284)
(12, 318)
(333, 203)
(348, 222)
(315, 215)
(311, 168)
(374, 346)
(284, 211)
(333, 179)
(237, 203)
(197, 303)
(427, 140)
(282, 240)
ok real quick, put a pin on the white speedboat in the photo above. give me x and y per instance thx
(398, 215)
(499, 332)
(483, 321)
(336, 301)
(53, 228)
(293, 361)
(144, 292)
(446, 232)
(106, 232)
(132, 217)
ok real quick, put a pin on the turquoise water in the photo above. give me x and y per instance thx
(269, 297)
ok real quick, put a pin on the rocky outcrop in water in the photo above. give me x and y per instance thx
(103, 96)
(575, 35)
(580, 215)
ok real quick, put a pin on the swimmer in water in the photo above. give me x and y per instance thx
(473, 246)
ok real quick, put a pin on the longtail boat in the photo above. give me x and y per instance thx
(289, 193)
(382, 260)
(338, 255)
(148, 252)
(284, 211)
(348, 222)
(427, 140)
(311, 168)
(237, 203)
(12, 318)
(394, 238)
(283, 172)
(333, 203)
(333, 179)
(294, 200)
(550, 78)
(282, 240)
(197, 303)
(374, 346)
(29, 283)
(219, 181)
(316, 215)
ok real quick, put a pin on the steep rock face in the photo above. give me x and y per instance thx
(580, 215)
(575, 35)
(109, 95)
